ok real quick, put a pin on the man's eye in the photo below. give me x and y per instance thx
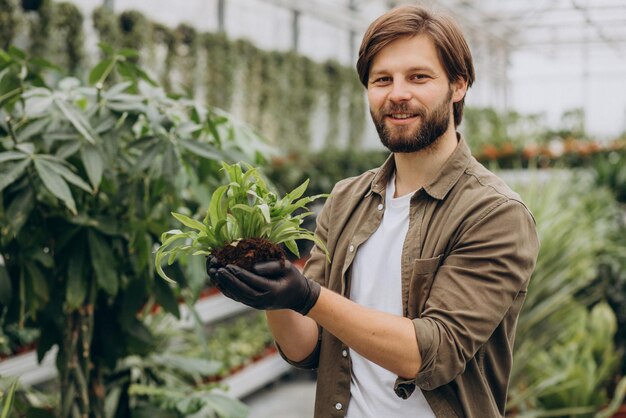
(419, 77)
(382, 80)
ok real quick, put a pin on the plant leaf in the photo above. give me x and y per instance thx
(13, 174)
(11, 155)
(38, 283)
(58, 166)
(187, 221)
(291, 245)
(103, 263)
(55, 184)
(5, 286)
(100, 72)
(201, 150)
(77, 280)
(93, 163)
(77, 119)
(19, 209)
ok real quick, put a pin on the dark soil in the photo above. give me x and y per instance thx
(248, 252)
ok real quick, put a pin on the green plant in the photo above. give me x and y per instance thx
(6, 400)
(172, 379)
(235, 75)
(236, 343)
(8, 22)
(324, 168)
(89, 174)
(610, 171)
(563, 353)
(241, 210)
(579, 365)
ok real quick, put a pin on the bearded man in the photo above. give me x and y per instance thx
(414, 312)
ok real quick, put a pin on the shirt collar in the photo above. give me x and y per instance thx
(439, 187)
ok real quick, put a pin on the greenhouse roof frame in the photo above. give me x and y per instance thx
(532, 24)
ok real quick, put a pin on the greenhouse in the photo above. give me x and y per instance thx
(191, 223)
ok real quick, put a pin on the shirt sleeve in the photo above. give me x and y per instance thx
(473, 290)
(315, 269)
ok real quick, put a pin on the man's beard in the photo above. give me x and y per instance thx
(433, 125)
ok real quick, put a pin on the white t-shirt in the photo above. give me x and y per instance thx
(377, 283)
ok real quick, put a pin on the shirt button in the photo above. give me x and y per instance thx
(351, 249)
(380, 206)
(338, 406)
(344, 353)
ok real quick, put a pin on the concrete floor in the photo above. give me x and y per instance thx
(293, 396)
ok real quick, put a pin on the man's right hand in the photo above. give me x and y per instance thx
(228, 285)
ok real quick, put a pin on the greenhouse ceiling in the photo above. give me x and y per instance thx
(520, 24)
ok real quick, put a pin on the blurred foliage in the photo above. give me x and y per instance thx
(89, 175)
(486, 126)
(6, 400)
(323, 168)
(9, 21)
(237, 343)
(610, 170)
(259, 86)
(565, 357)
(26, 402)
(179, 377)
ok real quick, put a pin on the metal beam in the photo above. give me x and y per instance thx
(574, 25)
(295, 29)
(221, 16)
(568, 42)
(340, 16)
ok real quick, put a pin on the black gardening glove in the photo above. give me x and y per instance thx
(212, 265)
(272, 285)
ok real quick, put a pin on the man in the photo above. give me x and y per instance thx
(430, 255)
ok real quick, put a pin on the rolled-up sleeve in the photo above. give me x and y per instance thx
(474, 289)
(315, 269)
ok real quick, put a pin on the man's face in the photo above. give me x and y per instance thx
(409, 95)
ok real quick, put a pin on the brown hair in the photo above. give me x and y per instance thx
(411, 20)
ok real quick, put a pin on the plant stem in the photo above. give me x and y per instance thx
(9, 122)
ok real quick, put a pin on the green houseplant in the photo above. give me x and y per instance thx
(244, 223)
(88, 174)
(565, 357)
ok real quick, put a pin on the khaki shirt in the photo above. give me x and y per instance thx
(467, 259)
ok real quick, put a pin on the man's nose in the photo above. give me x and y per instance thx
(400, 91)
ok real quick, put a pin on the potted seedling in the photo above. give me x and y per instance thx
(245, 224)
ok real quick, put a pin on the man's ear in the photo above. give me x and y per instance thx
(459, 88)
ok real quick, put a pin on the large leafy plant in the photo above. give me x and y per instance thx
(88, 175)
(244, 209)
(564, 357)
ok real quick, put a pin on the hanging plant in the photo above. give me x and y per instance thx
(107, 26)
(40, 29)
(164, 37)
(356, 109)
(8, 22)
(186, 56)
(31, 5)
(253, 81)
(135, 30)
(306, 76)
(274, 100)
(68, 40)
(223, 67)
(334, 86)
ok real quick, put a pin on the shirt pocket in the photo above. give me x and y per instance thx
(422, 277)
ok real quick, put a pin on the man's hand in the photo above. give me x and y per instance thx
(272, 285)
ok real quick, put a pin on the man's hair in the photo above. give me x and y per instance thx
(412, 20)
